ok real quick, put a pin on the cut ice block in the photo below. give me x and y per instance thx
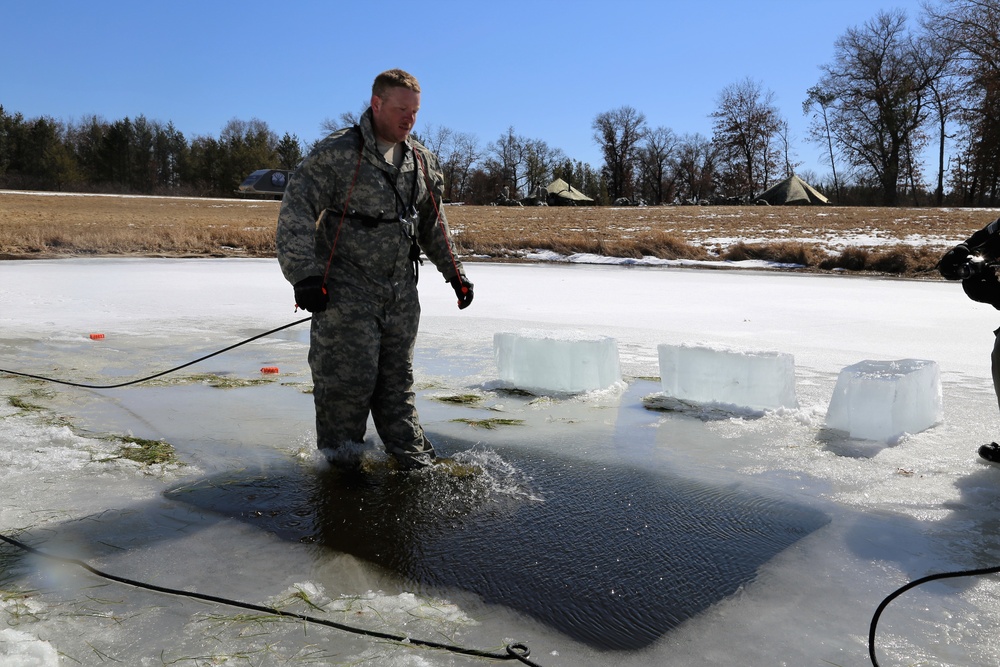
(881, 400)
(567, 362)
(701, 374)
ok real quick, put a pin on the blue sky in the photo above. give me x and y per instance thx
(547, 68)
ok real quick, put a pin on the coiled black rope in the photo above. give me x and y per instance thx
(162, 373)
(513, 651)
(913, 584)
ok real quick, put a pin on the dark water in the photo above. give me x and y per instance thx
(611, 556)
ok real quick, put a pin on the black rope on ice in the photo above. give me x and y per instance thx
(913, 584)
(513, 651)
(152, 377)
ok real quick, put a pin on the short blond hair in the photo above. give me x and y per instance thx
(394, 78)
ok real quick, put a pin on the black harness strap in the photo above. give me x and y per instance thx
(407, 217)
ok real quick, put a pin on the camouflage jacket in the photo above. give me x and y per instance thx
(347, 199)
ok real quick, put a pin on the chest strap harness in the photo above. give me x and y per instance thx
(408, 219)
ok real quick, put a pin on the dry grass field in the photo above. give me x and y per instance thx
(904, 241)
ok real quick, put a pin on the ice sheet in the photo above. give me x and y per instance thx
(897, 513)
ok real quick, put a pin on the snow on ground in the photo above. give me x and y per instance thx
(897, 511)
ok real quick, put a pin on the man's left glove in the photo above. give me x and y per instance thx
(310, 294)
(955, 263)
(463, 290)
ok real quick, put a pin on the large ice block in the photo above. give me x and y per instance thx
(882, 400)
(760, 380)
(547, 361)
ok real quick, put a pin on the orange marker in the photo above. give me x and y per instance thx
(96, 336)
(270, 369)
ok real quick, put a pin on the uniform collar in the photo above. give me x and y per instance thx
(368, 133)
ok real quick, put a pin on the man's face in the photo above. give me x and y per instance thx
(395, 113)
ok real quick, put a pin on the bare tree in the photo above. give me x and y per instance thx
(878, 87)
(507, 161)
(437, 138)
(937, 56)
(346, 119)
(457, 152)
(540, 161)
(618, 133)
(655, 154)
(970, 31)
(746, 122)
(819, 130)
(695, 168)
(784, 140)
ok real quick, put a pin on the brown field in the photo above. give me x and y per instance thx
(905, 241)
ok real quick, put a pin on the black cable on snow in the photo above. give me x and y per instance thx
(160, 374)
(913, 584)
(513, 651)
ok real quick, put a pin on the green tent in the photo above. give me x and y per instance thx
(791, 192)
(561, 193)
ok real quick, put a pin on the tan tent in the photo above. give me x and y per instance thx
(561, 193)
(791, 192)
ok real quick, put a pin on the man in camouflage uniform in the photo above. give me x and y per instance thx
(354, 218)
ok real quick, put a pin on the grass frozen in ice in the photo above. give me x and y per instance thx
(491, 423)
(145, 451)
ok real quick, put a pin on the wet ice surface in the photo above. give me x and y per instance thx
(777, 539)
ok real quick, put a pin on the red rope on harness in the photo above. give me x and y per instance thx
(343, 215)
(440, 222)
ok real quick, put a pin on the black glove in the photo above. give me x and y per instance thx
(983, 287)
(954, 265)
(310, 294)
(463, 290)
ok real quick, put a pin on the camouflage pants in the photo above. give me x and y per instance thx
(361, 356)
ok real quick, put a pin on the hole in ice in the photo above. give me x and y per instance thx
(612, 556)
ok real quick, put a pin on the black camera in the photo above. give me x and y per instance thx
(960, 263)
(973, 257)
(973, 266)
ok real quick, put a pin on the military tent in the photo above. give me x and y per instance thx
(561, 193)
(792, 191)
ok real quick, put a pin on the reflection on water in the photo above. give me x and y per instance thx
(610, 556)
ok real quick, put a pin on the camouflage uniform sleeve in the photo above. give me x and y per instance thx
(309, 194)
(433, 234)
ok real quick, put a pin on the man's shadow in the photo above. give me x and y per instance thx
(967, 538)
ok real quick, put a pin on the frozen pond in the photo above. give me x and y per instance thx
(589, 527)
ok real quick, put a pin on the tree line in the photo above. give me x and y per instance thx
(136, 155)
(890, 93)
